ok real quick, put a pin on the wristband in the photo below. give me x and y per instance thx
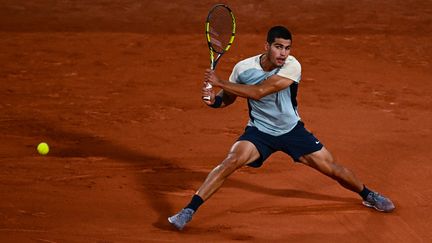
(217, 103)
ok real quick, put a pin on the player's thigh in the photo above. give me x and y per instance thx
(242, 152)
(321, 160)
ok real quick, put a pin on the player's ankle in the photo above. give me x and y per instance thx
(195, 203)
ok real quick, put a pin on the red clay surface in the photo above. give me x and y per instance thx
(114, 88)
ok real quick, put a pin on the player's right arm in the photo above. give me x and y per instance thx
(225, 98)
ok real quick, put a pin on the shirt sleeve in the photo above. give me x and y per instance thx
(291, 70)
(234, 74)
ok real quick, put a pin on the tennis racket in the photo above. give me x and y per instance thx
(220, 30)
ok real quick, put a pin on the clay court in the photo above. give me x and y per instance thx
(114, 87)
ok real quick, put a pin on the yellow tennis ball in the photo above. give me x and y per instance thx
(43, 148)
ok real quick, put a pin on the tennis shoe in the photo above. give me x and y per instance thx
(379, 202)
(180, 219)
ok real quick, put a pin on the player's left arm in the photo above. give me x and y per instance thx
(270, 85)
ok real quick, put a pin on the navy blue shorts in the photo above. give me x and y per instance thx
(295, 143)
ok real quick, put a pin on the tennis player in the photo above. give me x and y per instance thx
(269, 81)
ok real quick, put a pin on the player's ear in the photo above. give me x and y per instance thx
(266, 46)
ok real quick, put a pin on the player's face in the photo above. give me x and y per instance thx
(278, 51)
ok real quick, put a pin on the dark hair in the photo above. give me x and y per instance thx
(278, 32)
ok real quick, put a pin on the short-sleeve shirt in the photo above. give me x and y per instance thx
(276, 113)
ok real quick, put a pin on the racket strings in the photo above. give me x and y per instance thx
(220, 28)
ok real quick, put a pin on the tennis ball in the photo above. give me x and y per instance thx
(43, 148)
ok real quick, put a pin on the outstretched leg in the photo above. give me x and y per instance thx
(323, 161)
(241, 153)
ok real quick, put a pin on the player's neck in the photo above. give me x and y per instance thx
(266, 64)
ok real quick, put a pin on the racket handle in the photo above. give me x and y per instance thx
(208, 86)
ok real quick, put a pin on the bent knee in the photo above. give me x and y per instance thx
(233, 161)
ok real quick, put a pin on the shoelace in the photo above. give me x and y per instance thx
(184, 215)
(377, 197)
(374, 197)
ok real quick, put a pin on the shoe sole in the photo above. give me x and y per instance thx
(173, 224)
(378, 209)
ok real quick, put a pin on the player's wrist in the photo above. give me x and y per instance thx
(217, 102)
(222, 83)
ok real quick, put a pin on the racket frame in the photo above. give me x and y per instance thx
(214, 60)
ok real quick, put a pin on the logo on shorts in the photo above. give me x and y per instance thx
(317, 142)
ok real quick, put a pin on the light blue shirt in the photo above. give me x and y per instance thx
(276, 113)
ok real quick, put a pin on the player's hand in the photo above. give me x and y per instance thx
(211, 78)
(208, 92)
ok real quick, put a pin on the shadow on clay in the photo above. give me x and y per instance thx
(161, 178)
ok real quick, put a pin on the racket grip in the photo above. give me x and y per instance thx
(208, 86)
